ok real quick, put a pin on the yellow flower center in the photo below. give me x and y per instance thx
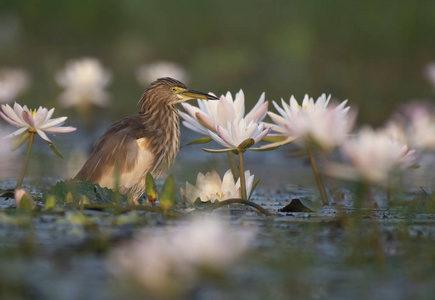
(32, 112)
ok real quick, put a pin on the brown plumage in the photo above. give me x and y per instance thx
(145, 142)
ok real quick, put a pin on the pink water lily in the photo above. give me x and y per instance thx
(237, 132)
(374, 156)
(212, 113)
(37, 121)
(317, 121)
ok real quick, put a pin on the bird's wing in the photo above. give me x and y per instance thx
(121, 151)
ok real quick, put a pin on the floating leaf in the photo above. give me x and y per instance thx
(151, 188)
(167, 197)
(296, 205)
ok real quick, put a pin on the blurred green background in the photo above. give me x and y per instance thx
(370, 52)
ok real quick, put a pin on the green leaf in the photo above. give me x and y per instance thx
(50, 203)
(202, 140)
(246, 144)
(20, 140)
(217, 150)
(253, 188)
(167, 197)
(151, 188)
(78, 189)
(54, 149)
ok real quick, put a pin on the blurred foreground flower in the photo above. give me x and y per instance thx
(84, 81)
(212, 113)
(430, 73)
(173, 261)
(148, 73)
(210, 187)
(31, 122)
(326, 126)
(23, 200)
(375, 157)
(12, 83)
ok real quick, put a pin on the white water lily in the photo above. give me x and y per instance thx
(148, 73)
(12, 83)
(430, 73)
(212, 113)
(211, 188)
(33, 121)
(84, 81)
(374, 156)
(174, 260)
(235, 133)
(319, 122)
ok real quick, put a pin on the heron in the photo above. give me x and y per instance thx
(146, 142)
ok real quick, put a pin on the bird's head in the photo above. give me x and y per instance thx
(168, 91)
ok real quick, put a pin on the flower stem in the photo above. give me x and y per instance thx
(318, 177)
(26, 160)
(233, 165)
(242, 175)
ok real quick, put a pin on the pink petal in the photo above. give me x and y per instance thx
(40, 116)
(194, 128)
(225, 111)
(10, 113)
(7, 119)
(28, 118)
(43, 135)
(224, 134)
(53, 122)
(257, 114)
(66, 129)
(239, 105)
(262, 135)
(15, 133)
(218, 139)
(50, 114)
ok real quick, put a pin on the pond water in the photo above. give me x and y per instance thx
(334, 252)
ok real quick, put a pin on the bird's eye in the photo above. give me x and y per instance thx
(174, 89)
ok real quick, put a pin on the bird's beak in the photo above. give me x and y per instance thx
(191, 94)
